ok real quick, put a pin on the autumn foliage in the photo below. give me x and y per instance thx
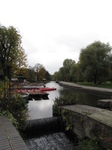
(12, 105)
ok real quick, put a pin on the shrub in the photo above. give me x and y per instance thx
(89, 144)
(64, 100)
(13, 106)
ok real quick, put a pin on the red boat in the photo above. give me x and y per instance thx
(34, 90)
(47, 89)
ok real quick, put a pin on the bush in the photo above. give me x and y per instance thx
(89, 144)
(11, 118)
(13, 106)
(68, 99)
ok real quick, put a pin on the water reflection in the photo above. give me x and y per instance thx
(56, 93)
(40, 109)
(83, 97)
(43, 108)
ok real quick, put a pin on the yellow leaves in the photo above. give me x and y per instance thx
(1, 93)
(4, 89)
(14, 104)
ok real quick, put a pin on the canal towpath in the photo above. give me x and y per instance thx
(87, 88)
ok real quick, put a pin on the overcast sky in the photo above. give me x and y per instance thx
(54, 30)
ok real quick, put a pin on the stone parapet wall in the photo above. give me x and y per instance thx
(91, 122)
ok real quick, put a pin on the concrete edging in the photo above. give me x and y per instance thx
(86, 88)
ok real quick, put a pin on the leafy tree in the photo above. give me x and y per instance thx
(47, 76)
(68, 63)
(95, 61)
(30, 74)
(78, 73)
(63, 71)
(20, 71)
(40, 71)
(73, 72)
(55, 76)
(12, 55)
(67, 71)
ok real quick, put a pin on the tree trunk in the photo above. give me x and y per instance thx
(95, 79)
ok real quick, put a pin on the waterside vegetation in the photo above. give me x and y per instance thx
(106, 84)
(13, 106)
(14, 71)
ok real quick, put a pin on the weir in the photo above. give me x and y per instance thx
(54, 141)
(43, 126)
(47, 133)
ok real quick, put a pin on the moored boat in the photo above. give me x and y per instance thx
(47, 89)
(36, 93)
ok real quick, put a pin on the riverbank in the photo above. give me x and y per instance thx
(87, 121)
(86, 88)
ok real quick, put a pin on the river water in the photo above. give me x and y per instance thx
(43, 108)
(38, 109)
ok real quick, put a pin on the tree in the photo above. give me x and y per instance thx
(12, 55)
(94, 61)
(68, 63)
(40, 71)
(73, 72)
(30, 74)
(67, 71)
(47, 75)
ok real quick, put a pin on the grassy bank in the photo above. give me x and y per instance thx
(106, 84)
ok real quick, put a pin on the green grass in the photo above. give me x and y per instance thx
(106, 84)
